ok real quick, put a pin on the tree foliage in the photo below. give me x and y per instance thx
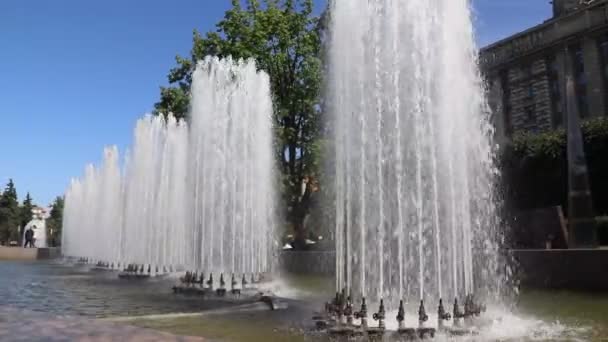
(283, 36)
(9, 214)
(535, 167)
(55, 222)
(25, 213)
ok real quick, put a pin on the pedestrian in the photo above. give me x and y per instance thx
(29, 238)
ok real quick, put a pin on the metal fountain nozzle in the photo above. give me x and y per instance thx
(348, 311)
(244, 281)
(441, 313)
(341, 305)
(222, 282)
(210, 281)
(456, 312)
(422, 316)
(233, 282)
(149, 269)
(363, 312)
(201, 279)
(471, 308)
(337, 299)
(332, 307)
(401, 315)
(380, 315)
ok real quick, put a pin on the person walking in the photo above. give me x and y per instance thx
(29, 238)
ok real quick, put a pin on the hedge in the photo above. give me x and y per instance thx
(534, 167)
(602, 229)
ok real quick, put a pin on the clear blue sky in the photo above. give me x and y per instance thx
(75, 75)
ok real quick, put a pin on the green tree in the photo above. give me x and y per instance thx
(535, 167)
(9, 214)
(55, 222)
(284, 37)
(25, 214)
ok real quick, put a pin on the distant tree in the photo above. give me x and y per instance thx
(25, 214)
(55, 222)
(9, 213)
(284, 37)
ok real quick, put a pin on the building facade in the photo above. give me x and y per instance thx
(525, 72)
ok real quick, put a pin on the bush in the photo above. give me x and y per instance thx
(602, 230)
(535, 169)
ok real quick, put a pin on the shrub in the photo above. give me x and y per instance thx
(535, 170)
(602, 230)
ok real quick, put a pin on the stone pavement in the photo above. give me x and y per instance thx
(20, 325)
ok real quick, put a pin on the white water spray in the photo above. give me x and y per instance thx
(191, 196)
(416, 214)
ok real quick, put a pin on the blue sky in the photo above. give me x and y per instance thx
(75, 75)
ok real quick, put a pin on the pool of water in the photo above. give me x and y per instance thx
(56, 289)
(60, 289)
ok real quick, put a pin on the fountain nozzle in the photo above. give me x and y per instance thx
(221, 291)
(210, 281)
(401, 315)
(348, 311)
(457, 313)
(441, 313)
(422, 316)
(380, 315)
(471, 308)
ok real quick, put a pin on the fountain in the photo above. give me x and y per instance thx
(194, 195)
(416, 213)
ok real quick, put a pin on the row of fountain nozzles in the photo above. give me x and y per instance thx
(142, 269)
(194, 278)
(342, 307)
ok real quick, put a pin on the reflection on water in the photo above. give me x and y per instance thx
(586, 314)
(61, 290)
(58, 289)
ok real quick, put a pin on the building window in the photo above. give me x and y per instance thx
(530, 117)
(506, 101)
(603, 50)
(531, 91)
(526, 71)
(578, 68)
(556, 91)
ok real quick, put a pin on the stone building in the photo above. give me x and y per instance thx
(525, 72)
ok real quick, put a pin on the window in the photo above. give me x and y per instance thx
(556, 91)
(531, 91)
(506, 101)
(603, 51)
(529, 111)
(526, 71)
